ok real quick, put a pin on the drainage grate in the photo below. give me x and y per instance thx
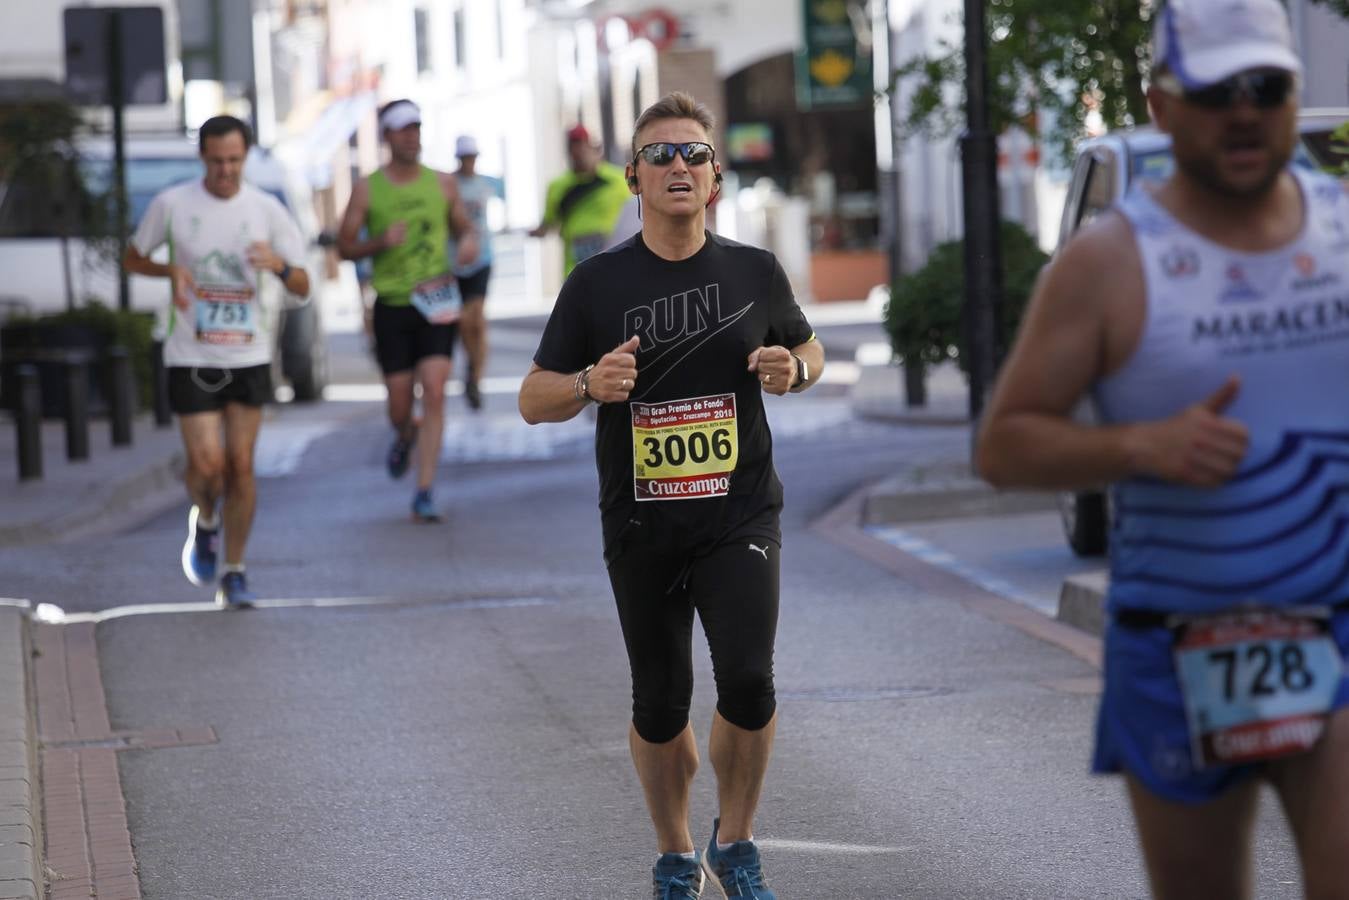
(861, 694)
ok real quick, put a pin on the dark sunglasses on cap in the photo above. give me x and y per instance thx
(695, 153)
(1266, 90)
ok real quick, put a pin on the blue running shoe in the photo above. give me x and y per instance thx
(423, 510)
(400, 453)
(233, 592)
(676, 877)
(199, 552)
(737, 868)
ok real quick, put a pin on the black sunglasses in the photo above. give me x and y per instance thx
(1266, 90)
(695, 153)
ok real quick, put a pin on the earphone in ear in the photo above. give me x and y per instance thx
(632, 181)
(717, 177)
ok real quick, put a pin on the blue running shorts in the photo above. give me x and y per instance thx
(1141, 729)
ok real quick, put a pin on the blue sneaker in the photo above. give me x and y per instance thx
(676, 877)
(233, 592)
(199, 552)
(423, 509)
(400, 454)
(737, 868)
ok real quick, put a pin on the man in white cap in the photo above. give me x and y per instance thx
(1207, 316)
(476, 190)
(408, 210)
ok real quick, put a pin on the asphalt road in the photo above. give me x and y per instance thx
(441, 711)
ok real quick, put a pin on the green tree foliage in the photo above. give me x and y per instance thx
(923, 315)
(1064, 58)
(1339, 6)
(1053, 62)
(39, 173)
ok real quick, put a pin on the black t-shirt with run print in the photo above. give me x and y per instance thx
(687, 460)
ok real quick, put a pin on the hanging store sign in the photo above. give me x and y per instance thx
(833, 68)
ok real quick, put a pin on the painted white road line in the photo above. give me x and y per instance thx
(54, 615)
(373, 392)
(281, 446)
(836, 372)
(829, 847)
(916, 546)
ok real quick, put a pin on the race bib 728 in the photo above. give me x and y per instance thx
(1256, 685)
(684, 449)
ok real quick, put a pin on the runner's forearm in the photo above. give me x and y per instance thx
(136, 264)
(357, 249)
(1032, 450)
(549, 397)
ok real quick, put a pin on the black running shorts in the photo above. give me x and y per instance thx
(198, 389)
(474, 287)
(404, 338)
(734, 590)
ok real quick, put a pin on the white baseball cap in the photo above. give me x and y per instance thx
(1203, 42)
(400, 115)
(465, 145)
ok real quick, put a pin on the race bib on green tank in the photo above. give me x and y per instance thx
(439, 300)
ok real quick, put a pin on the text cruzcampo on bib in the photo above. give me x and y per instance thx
(1257, 685)
(684, 449)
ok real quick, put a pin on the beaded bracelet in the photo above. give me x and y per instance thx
(580, 387)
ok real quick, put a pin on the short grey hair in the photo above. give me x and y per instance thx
(674, 105)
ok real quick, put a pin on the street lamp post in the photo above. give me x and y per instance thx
(983, 257)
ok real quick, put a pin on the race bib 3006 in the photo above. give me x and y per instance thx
(1257, 685)
(684, 449)
(225, 314)
(438, 299)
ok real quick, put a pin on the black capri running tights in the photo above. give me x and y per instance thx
(734, 589)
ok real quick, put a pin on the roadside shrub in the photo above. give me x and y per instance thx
(924, 314)
(131, 329)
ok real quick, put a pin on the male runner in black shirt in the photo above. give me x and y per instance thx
(676, 333)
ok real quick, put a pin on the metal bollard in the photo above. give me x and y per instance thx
(160, 376)
(77, 408)
(120, 399)
(28, 422)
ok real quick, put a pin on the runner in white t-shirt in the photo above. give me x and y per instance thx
(224, 238)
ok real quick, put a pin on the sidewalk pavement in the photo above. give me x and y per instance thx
(113, 485)
(952, 487)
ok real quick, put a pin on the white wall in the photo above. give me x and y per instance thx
(741, 32)
(930, 167)
(1322, 37)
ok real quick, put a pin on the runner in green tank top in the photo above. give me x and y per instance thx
(422, 206)
(409, 211)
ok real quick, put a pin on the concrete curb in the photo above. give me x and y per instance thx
(137, 492)
(21, 855)
(1082, 601)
